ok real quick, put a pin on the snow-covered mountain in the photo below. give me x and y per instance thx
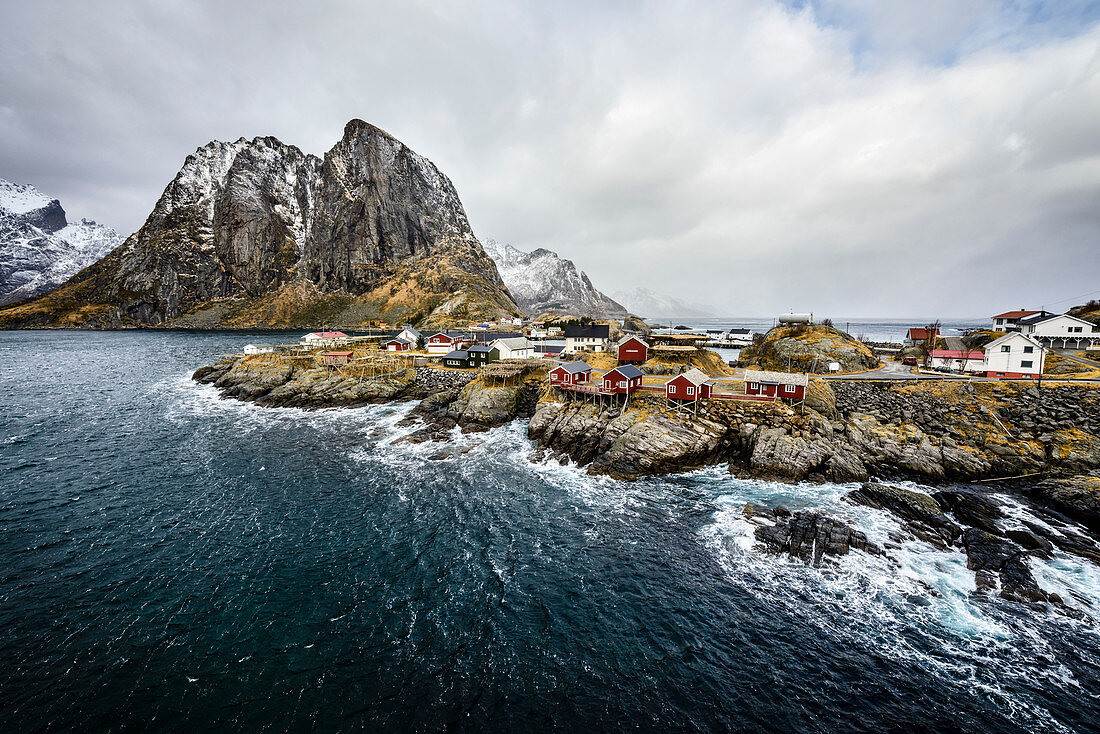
(652, 305)
(39, 249)
(542, 281)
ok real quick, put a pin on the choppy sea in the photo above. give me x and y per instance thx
(173, 561)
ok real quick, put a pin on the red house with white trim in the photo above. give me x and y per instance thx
(690, 385)
(444, 342)
(622, 380)
(788, 385)
(573, 373)
(632, 349)
(397, 345)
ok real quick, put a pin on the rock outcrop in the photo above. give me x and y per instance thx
(806, 535)
(809, 348)
(920, 513)
(258, 233)
(542, 281)
(39, 249)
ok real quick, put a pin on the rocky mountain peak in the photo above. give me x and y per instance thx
(255, 232)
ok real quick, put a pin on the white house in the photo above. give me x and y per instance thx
(325, 338)
(253, 349)
(515, 348)
(411, 335)
(1014, 356)
(1060, 332)
(592, 338)
(1010, 320)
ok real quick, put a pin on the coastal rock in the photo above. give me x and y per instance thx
(970, 509)
(988, 554)
(920, 514)
(1077, 497)
(776, 454)
(810, 348)
(625, 446)
(809, 536)
(486, 406)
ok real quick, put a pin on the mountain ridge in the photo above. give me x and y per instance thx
(541, 280)
(39, 248)
(256, 233)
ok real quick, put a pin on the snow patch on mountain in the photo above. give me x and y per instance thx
(39, 249)
(542, 281)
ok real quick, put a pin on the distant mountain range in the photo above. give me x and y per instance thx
(542, 281)
(650, 305)
(256, 233)
(39, 249)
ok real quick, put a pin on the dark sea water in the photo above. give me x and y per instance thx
(173, 561)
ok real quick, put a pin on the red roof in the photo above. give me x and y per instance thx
(958, 354)
(1014, 314)
(919, 332)
(329, 334)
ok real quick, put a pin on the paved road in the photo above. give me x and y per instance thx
(1081, 360)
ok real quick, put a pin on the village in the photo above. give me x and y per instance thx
(607, 364)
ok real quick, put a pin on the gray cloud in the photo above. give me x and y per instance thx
(851, 157)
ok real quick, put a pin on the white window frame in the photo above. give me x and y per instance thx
(1026, 364)
(790, 388)
(1006, 348)
(690, 390)
(754, 385)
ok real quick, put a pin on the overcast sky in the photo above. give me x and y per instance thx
(848, 157)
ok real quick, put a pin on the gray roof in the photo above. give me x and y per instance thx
(628, 371)
(778, 378)
(576, 367)
(478, 348)
(598, 331)
(457, 354)
(696, 375)
(955, 342)
(410, 329)
(518, 342)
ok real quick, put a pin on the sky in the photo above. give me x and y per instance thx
(878, 158)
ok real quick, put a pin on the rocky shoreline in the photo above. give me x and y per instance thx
(936, 433)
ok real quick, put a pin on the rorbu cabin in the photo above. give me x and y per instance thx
(572, 373)
(397, 345)
(337, 359)
(691, 385)
(622, 380)
(632, 350)
(459, 358)
(443, 342)
(480, 355)
(786, 385)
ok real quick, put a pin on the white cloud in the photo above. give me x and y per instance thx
(851, 157)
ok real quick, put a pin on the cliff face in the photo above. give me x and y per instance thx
(542, 281)
(39, 249)
(257, 233)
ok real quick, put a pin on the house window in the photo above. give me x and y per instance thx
(1029, 350)
(622, 384)
(1006, 348)
(1025, 363)
(754, 385)
(671, 389)
(691, 390)
(788, 388)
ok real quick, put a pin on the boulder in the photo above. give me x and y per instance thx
(987, 554)
(970, 509)
(1077, 497)
(919, 513)
(809, 536)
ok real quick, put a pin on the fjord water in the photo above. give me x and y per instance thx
(173, 561)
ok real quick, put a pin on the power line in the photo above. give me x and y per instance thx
(1074, 298)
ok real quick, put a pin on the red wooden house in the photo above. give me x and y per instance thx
(572, 373)
(444, 341)
(632, 349)
(622, 380)
(397, 345)
(776, 384)
(690, 385)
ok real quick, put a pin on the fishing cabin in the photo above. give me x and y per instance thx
(623, 380)
(632, 350)
(787, 385)
(571, 374)
(397, 345)
(459, 358)
(443, 342)
(691, 385)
